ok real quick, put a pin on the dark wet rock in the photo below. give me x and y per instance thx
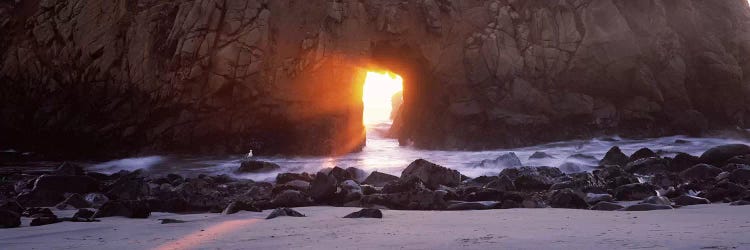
(9, 219)
(292, 198)
(351, 191)
(658, 200)
(368, 190)
(130, 186)
(366, 213)
(253, 166)
(740, 203)
(471, 205)
(36, 212)
(11, 205)
(283, 211)
(340, 174)
(379, 179)
(540, 155)
(298, 185)
(40, 198)
(129, 209)
(502, 183)
(592, 198)
(533, 202)
(730, 167)
(634, 192)
(98, 176)
(642, 153)
(606, 206)
(171, 221)
(96, 199)
(485, 194)
(647, 166)
(740, 176)
(407, 194)
(287, 177)
(567, 198)
(237, 206)
(509, 204)
(614, 156)
(717, 156)
(665, 180)
(682, 162)
(44, 220)
(647, 207)
(357, 174)
(432, 175)
(68, 169)
(83, 214)
(724, 192)
(578, 181)
(323, 187)
(66, 184)
(740, 159)
(700, 172)
(480, 181)
(688, 200)
(174, 205)
(508, 160)
(74, 201)
(531, 182)
(550, 172)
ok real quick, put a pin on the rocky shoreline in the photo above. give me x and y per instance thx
(638, 182)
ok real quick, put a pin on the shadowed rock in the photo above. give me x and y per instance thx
(9, 219)
(431, 174)
(379, 179)
(688, 200)
(284, 211)
(606, 206)
(253, 166)
(647, 207)
(717, 156)
(366, 213)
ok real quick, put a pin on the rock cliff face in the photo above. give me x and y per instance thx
(285, 76)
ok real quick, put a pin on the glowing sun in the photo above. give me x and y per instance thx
(376, 95)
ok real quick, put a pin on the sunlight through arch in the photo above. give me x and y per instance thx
(379, 88)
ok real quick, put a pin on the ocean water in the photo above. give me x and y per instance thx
(385, 155)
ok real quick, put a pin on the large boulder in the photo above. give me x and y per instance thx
(291, 198)
(74, 201)
(323, 187)
(681, 162)
(502, 183)
(9, 218)
(642, 153)
(740, 176)
(431, 174)
(647, 207)
(379, 179)
(688, 200)
(283, 211)
(658, 200)
(647, 166)
(614, 176)
(614, 156)
(606, 206)
(567, 198)
(508, 160)
(366, 213)
(66, 184)
(253, 166)
(700, 172)
(717, 156)
(129, 209)
(634, 192)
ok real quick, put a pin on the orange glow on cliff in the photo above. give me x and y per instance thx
(376, 95)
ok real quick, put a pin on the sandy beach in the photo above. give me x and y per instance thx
(717, 226)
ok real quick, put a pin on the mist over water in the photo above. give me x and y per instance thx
(385, 155)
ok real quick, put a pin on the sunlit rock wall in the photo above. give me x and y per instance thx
(280, 76)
